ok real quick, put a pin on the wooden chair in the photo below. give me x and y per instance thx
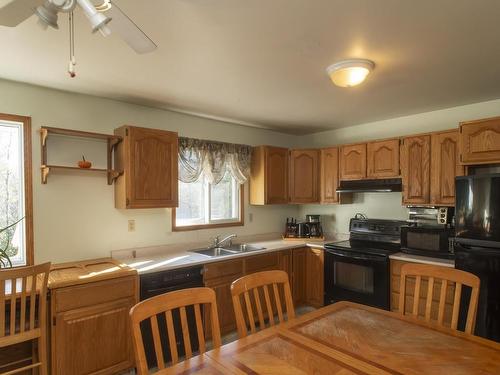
(23, 312)
(245, 285)
(166, 304)
(431, 273)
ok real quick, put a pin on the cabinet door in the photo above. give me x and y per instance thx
(314, 277)
(264, 262)
(445, 166)
(304, 176)
(227, 320)
(353, 162)
(329, 175)
(276, 175)
(153, 168)
(93, 340)
(480, 141)
(415, 169)
(383, 159)
(299, 276)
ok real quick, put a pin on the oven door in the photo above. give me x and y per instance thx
(355, 277)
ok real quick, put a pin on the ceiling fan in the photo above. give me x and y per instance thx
(104, 16)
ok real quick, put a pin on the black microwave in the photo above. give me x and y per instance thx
(431, 241)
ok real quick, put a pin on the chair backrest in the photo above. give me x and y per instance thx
(166, 304)
(257, 287)
(23, 299)
(446, 275)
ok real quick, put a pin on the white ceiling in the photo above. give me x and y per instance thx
(262, 62)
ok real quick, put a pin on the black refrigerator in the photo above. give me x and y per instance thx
(477, 247)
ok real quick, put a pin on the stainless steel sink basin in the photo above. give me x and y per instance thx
(243, 248)
(227, 250)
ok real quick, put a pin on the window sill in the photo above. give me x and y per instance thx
(207, 226)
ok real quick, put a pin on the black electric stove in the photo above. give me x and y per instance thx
(357, 270)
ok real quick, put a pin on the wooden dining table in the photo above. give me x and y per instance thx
(348, 338)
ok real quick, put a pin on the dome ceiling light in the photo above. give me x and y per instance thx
(349, 73)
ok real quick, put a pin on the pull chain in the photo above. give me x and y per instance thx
(72, 60)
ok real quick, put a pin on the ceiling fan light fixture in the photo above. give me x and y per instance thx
(47, 15)
(349, 73)
(98, 21)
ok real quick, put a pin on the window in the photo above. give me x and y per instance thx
(203, 205)
(15, 189)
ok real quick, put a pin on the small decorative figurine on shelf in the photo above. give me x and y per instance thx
(85, 164)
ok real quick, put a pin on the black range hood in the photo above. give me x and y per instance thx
(370, 186)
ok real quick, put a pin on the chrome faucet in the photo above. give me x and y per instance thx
(218, 242)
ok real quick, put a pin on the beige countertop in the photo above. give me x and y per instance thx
(154, 259)
(424, 260)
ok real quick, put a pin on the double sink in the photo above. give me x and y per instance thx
(228, 250)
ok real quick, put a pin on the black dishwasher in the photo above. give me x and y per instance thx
(153, 284)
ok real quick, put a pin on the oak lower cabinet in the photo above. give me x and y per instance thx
(299, 274)
(90, 327)
(410, 293)
(415, 169)
(304, 176)
(269, 175)
(148, 158)
(382, 160)
(352, 162)
(480, 141)
(219, 276)
(315, 261)
(445, 166)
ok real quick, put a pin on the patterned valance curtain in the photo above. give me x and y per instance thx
(213, 159)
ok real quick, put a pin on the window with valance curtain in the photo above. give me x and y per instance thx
(211, 175)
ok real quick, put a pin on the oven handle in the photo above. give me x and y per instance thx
(357, 257)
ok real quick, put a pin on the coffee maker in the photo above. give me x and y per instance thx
(314, 225)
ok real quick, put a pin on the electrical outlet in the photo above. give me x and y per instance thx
(250, 217)
(131, 225)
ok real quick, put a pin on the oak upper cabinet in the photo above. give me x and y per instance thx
(445, 166)
(415, 169)
(329, 175)
(383, 159)
(269, 175)
(304, 176)
(480, 141)
(353, 162)
(148, 158)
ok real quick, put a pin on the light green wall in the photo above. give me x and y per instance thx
(74, 215)
(387, 205)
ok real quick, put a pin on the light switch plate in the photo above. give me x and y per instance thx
(131, 225)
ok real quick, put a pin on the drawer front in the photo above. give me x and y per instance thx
(223, 269)
(94, 293)
(262, 263)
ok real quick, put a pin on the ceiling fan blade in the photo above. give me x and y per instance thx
(122, 25)
(16, 11)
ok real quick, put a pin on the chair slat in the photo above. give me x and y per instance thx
(416, 297)
(471, 316)
(2, 308)
(249, 311)
(22, 320)
(269, 307)
(185, 333)
(32, 302)
(13, 300)
(456, 305)
(256, 296)
(442, 301)
(199, 328)
(157, 342)
(428, 301)
(278, 303)
(171, 337)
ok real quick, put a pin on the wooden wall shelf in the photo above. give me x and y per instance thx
(111, 140)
